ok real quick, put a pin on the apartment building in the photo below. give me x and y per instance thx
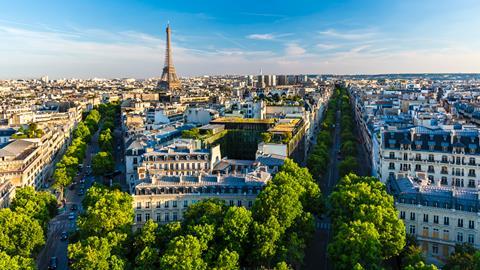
(438, 216)
(166, 198)
(444, 155)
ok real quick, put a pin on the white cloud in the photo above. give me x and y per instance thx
(350, 35)
(293, 49)
(324, 46)
(261, 36)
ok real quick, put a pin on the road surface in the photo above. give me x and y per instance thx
(54, 246)
(316, 253)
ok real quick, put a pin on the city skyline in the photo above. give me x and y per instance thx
(126, 39)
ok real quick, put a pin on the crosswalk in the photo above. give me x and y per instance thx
(58, 226)
(323, 225)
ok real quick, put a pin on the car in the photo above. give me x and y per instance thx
(82, 180)
(64, 236)
(71, 216)
(74, 207)
(81, 192)
(53, 263)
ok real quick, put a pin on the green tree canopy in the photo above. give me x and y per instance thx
(103, 163)
(40, 205)
(183, 253)
(106, 211)
(19, 233)
(356, 242)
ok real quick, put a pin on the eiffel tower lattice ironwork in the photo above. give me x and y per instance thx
(169, 78)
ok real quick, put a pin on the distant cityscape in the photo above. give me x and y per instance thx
(259, 171)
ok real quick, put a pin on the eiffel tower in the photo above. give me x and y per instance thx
(169, 80)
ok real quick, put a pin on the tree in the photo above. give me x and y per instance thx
(465, 257)
(348, 165)
(422, 266)
(235, 229)
(266, 137)
(183, 253)
(62, 180)
(16, 262)
(103, 163)
(227, 260)
(19, 234)
(264, 243)
(356, 242)
(82, 132)
(194, 133)
(106, 211)
(145, 243)
(366, 199)
(40, 205)
(280, 198)
(412, 255)
(106, 140)
(97, 253)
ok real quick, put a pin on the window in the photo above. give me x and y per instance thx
(139, 217)
(175, 216)
(392, 155)
(412, 216)
(418, 167)
(185, 203)
(446, 221)
(430, 157)
(250, 204)
(159, 204)
(139, 205)
(471, 183)
(391, 166)
(460, 222)
(174, 204)
(239, 203)
(147, 216)
(167, 217)
(472, 161)
(425, 217)
(446, 235)
(444, 181)
(166, 204)
(402, 214)
(460, 237)
(435, 219)
(231, 203)
(434, 249)
(471, 239)
(412, 229)
(159, 217)
(147, 205)
(471, 224)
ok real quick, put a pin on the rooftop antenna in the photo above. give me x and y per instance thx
(261, 71)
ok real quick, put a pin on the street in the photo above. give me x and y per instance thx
(316, 254)
(54, 246)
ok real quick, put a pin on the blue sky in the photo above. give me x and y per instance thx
(126, 38)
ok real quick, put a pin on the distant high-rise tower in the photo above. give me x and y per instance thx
(169, 78)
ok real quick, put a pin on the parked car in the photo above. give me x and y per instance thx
(53, 263)
(64, 236)
(74, 207)
(81, 192)
(71, 187)
(71, 216)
